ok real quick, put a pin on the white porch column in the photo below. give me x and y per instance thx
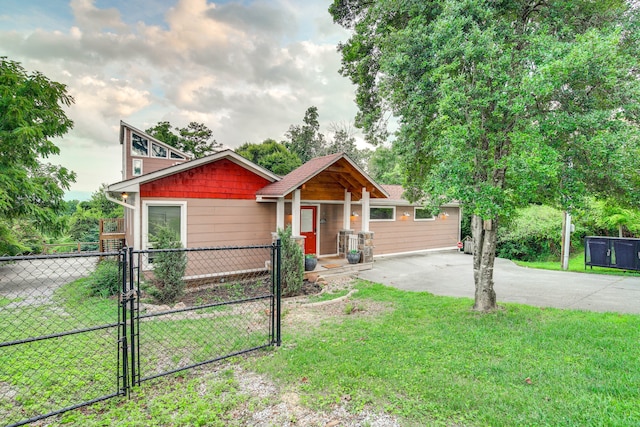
(365, 209)
(295, 214)
(280, 214)
(137, 222)
(346, 223)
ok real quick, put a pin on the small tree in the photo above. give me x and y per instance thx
(168, 267)
(292, 263)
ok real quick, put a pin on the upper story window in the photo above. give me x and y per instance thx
(422, 214)
(136, 168)
(139, 145)
(378, 213)
(176, 156)
(158, 150)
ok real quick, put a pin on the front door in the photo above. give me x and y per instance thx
(308, 228)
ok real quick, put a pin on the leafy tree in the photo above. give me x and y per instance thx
(384, 166)
(168, 267)
(608, 217)
(102, 205)
(163, 131)
(305, 140)
(344, 141)
(499, 103)
(270, 155)
(31, 114)
(84, 225)
(18, 237)
(292, 274)
(196, 138)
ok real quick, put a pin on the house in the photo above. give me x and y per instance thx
(224, 199)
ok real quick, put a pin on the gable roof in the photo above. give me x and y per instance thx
(133, 184)
(155, 140)
(319, 173)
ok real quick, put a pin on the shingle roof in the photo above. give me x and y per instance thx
(395, 191)
(299, 176)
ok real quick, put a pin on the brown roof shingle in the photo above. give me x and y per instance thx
(299, 176)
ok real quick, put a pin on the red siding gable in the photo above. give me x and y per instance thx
(219, 180)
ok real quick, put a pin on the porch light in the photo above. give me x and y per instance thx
(354, 214)
(406, 214)
(444, 215)
(124, 195)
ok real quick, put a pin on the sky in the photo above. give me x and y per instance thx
(247, 69)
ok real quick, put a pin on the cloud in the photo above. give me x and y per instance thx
(246, 69)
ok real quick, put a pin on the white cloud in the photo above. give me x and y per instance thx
(246, 69)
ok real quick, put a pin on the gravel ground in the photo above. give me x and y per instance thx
(286, 409)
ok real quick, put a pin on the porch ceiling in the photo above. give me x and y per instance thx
(331, 183)
(325, 178)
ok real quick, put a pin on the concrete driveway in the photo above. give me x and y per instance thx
(451, 273)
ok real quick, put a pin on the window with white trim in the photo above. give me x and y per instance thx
(136, 168)
(422, 214)
(163, 214)
(139, 145)
(158, 150)
(382, 213)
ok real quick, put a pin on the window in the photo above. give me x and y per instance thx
(158, 150)
(164, 214)
(422, 214)
(139, 145)
(378, 213)
(137, 167)
(176, 156)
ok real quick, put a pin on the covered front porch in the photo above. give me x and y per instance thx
(327, 203)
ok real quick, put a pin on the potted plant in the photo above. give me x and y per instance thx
(353, 256)
(310, 262)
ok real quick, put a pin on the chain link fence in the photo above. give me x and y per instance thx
(78, 328)
(59, 343)
(226, 308)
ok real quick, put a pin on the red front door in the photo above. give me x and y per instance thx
(308, 228)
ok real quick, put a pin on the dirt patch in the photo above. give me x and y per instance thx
(302, 314)
(283, 408)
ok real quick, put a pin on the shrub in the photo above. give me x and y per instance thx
(535, 234)
(292, 272)
(168, 267)
(105, 280)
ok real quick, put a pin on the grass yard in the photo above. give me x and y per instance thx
(576, 263)
(423, 359)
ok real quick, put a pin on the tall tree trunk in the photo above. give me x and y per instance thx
(484, 255)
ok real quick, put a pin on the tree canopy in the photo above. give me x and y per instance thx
(195, 139)
(31, 114)
(499, 103)
(305, 140)
(271, 155)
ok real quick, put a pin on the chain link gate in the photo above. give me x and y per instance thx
(51, 330)
(61, 349)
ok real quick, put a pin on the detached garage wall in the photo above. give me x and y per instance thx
(405, 234)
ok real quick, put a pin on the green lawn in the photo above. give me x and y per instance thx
(425, 359)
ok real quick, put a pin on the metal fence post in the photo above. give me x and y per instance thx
(123, 357)
(133, 301)
(278, 291)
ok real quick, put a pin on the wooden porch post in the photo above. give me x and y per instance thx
(346, 223)
(280, 214)
(365, 210)
(295, 214)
